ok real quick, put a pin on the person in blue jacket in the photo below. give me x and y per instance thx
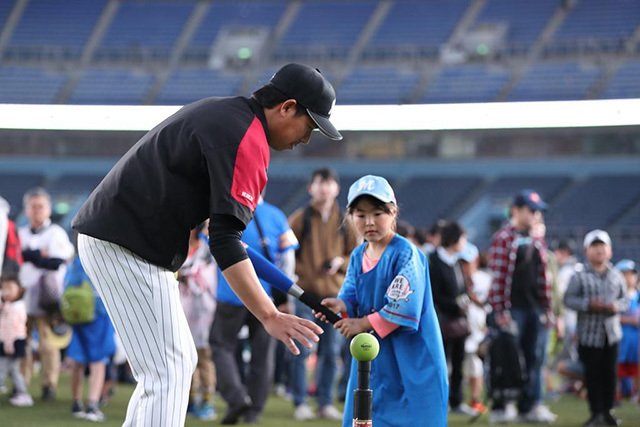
(387, 291)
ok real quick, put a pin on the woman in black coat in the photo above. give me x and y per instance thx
(450, 300)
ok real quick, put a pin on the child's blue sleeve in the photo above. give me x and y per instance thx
(405, 293)
(348, 291)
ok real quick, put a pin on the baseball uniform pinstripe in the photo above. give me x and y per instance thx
(134, 232)
(154, 331)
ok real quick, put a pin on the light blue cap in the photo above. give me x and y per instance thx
(371, 185)
(626, 265)
(469, 253)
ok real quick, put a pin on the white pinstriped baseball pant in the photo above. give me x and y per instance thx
(143, 303)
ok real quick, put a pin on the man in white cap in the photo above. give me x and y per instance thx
(597, 294)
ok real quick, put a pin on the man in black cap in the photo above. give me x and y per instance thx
(208, 160)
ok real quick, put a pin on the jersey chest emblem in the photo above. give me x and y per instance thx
(399, 289)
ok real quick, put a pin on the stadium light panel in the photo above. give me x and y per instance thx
(495, 115)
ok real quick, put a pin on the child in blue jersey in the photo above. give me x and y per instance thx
(387, 291)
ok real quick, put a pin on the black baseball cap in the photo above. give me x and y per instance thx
(312, 91)
(530, 199)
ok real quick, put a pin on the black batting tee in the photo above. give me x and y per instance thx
(209, 158)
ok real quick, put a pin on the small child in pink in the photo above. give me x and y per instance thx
(13, 337)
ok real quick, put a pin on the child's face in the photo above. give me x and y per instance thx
(631, 278)
(372, 223)
(10, 290)
(598, 253)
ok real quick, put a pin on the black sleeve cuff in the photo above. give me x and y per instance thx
(31, 255)
(278, 296)
(225, 232)
(35, 257)
(50, 263)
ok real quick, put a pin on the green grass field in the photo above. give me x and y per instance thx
(571, 411)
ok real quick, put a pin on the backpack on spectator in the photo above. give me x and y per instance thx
(78, 304)
(507, 374)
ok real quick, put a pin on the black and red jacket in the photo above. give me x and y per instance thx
(209, 158)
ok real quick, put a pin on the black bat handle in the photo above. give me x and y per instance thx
(310, 300)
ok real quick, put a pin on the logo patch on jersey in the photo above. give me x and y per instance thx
(247, 196)
(399, 289)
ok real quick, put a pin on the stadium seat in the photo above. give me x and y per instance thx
(466, 83)
(112, 86)
(378, 85)
(325, 28)
(415, 28)
(624, 83)
(53, 28)
(598, 25)
(149, 29)
(525, 19)
(30, 85)
(424, 200)
(595, 203)
(556, 81)
(14, 185)
(188, 85)
(232, 14)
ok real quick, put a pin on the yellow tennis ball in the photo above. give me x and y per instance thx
(364, 347)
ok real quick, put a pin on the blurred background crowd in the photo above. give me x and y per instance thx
(543, 191)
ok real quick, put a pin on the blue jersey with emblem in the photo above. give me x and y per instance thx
(279, 238)
(409, 376)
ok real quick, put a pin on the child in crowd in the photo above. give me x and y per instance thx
(92, 344)
(13, 337)
(387, 290)
(478, 285)
(198, 279)
(630, 320)
(598, 294)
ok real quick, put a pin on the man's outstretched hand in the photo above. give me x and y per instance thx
(287, 328)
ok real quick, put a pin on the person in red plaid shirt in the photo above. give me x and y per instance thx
(521, 293)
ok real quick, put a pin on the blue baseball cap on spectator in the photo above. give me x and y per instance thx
(371, 185)
(626, 265)
(530, 199)
(469, 253)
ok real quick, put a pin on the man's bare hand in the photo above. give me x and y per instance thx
(287, 328)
